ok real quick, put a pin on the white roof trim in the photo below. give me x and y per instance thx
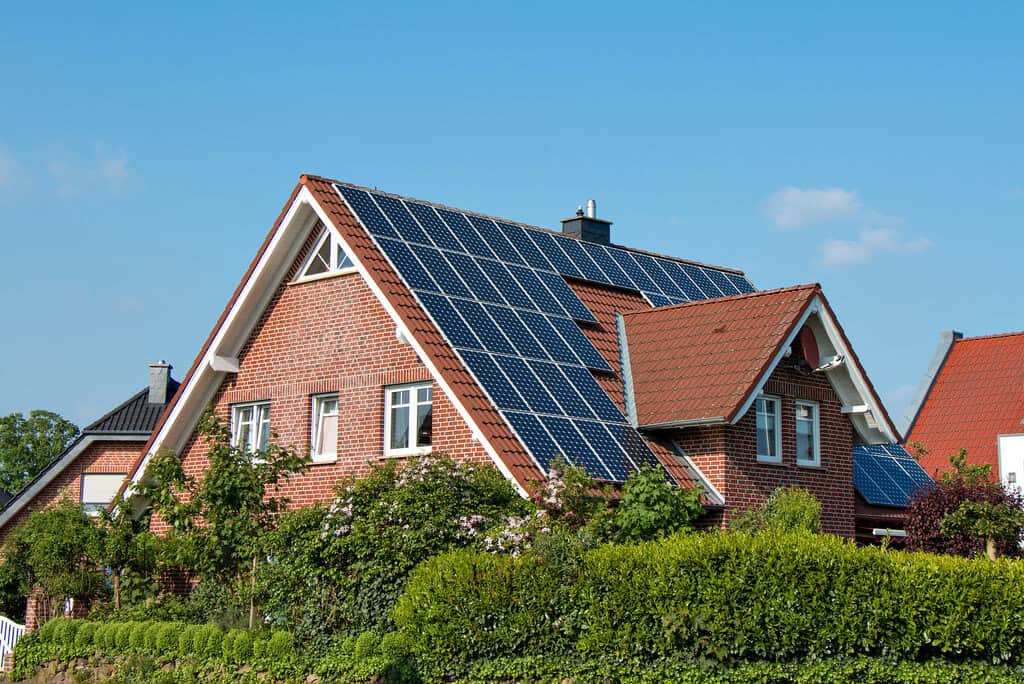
(253, 299)
(69, 457)
(715, 495)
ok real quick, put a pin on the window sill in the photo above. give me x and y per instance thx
(810, 466)
(324, 276)
(405, 453)
(773, 462)
(323, 459)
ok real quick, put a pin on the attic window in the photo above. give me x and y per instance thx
(328, 257)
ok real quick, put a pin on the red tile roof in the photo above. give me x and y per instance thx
(978, 395)
(701, 360)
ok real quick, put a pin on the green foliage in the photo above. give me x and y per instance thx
(394, 645)
(190, 638)
(788, 509)
(237, 500)
(168, 637)
(214, 641)
(137, 637)
(991, 522)
(131, 553)
(651, 507)
(241, 651)
(280, 645)
(12, 596)
(56, 549)
(227, 644)
(122, 636)
(149, 638)
(341, 569)
(27, 445)
(969, 474)
(366, 645)
(715, 598)
(86, 634)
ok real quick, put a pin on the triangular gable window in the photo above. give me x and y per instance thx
(326, 258)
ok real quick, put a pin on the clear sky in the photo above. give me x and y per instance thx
(146, 148)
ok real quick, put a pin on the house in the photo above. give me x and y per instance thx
(972, 397)
(371, 326)
(93, 467)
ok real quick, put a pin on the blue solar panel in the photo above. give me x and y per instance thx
(549, 338)
(636, 274)
(740, 283)
(573, 447)
(478, 283)
(494, 382)
(605, 446)
(539, 293)
(532, 391)
(483, 327)
(448, 319)
(440, 233)
(657, 300)
(700, 277)
(683, 281)
(406, 263)
(433, 260)
(517, 333)
(507, 285)
(496, 240)
(584, 263)
(524, 245)
(534, 436)
(884, 474)
(466, 233)
(600, 404)
(548, 244)
(564, 393)
(579, 343)
(565, 296)
(651, 267)
(366, 209)
(616, 275)
(719, 279)
(402, 220)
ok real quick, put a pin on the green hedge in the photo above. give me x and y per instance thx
(729, 597)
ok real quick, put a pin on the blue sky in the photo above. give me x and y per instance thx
(145, 150)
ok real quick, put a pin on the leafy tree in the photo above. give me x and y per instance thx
(27, 445)
(56, 550)
(219, 521)
(788, 509)
(965, 482)
(990, 522)
(651, 507)
(128, 550)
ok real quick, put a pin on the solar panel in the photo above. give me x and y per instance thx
(631, 267)
(599, 253)
(440, 233)
(496, 240)
(524, 245)
(579, 343)
(478, 283)
(565, 296)
(467, 234)
(573, 404)
(534, 436)
(407, 264)
(483, 326)
(448, 319)
(549, 338)
(507, 285)
(683, 281)
(444, 275)
(367, 211)
(532, 391)
(701, 279)
(517, 333)
(657, 300)
(884, 474)
(490, 377)
(548, 244)
(719, 279)
(539, 293)
(603, 443)
(651, 267)
(740, 283)
(584, 263)
(401, 219)
(573, 447)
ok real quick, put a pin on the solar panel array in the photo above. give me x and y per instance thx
(497, 293)
(886, 475)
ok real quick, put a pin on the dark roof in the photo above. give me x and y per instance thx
(135, 416)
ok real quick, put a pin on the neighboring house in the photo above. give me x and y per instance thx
(972, 397)
(93, 467)
(371, 326)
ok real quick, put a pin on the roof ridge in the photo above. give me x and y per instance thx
(989, 337)
(527, 226)
(729, 298)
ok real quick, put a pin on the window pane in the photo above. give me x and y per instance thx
(424, 394)
(327, 435)
(399, 427)
(343, 260)
(400, 398)
(424, 424)
(806, 439)
(766, 434)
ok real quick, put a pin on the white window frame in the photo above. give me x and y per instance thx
(332, 268)
(815, 432)
(410, 449)
(261, 415)
(93, 508)
(319, 400)
(777, 402)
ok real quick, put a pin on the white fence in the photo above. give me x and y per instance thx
(10, 632)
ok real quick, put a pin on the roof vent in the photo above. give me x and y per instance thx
(586, 226)
(159, 376)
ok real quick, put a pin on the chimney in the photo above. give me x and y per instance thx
(159, 375)
(587, 226)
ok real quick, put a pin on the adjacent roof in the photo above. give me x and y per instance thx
(886, 475)
(977, 395)
(700, 361)
(135, 416)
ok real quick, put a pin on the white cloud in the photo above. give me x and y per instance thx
(872, 241)
(105, 169)
(796, 207)
(7, 168)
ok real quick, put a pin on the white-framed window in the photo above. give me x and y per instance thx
(769, 430)
(327, 257)
(408, 419)
(250, 425)
(808, 442)
(98, 490)
(324, 444)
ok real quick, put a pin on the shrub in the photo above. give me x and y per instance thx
(788, 509)
(725, 597)
(651, 507)
(167, 638)
(110, 638)
(214, 642)
(366, 645)
(85, 635)
(189, 640)
(64, 630)
(279, 646)
(241, 648)
(137, 638)
(46, 630)
(150, 637)
(227, 646)
(99, 636)
(394, 645)
(347, 647)
(122, 636)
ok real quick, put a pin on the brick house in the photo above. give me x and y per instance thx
(94, 466)
(972, 397)
(371, 326)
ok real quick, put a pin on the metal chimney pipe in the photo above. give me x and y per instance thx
(591, 209)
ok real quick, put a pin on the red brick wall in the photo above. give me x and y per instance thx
(98, 457)
(727, 455)
(330, 335)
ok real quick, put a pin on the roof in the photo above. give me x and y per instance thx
(134, 416)
(886, 475)
(700, 361)
(977, 395)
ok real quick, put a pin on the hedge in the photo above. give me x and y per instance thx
(728, 598)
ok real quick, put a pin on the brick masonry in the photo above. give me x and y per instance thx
(325, 336)
(727, 454)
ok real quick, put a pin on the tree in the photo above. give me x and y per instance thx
(126, 548)
(27, 445)
(968, 532)
(651, 507)
(787, 509)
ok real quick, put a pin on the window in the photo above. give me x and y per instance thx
(250, 426)
(98, 490)
(327, 258)
(769, 430)
(807, 447)
(324, 445)
(408, 419)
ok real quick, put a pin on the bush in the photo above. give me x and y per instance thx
(279, 646)
(109, 643)
(149, 639)
(214, 642)
(84, 637)
(122, 636)
(137, 638)
(227, 645)
(725, 597)
(189, 641)
(651, 507)
(788, 509)
(241, 648)
(167, 638)
(366, 645)
(394, 645)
